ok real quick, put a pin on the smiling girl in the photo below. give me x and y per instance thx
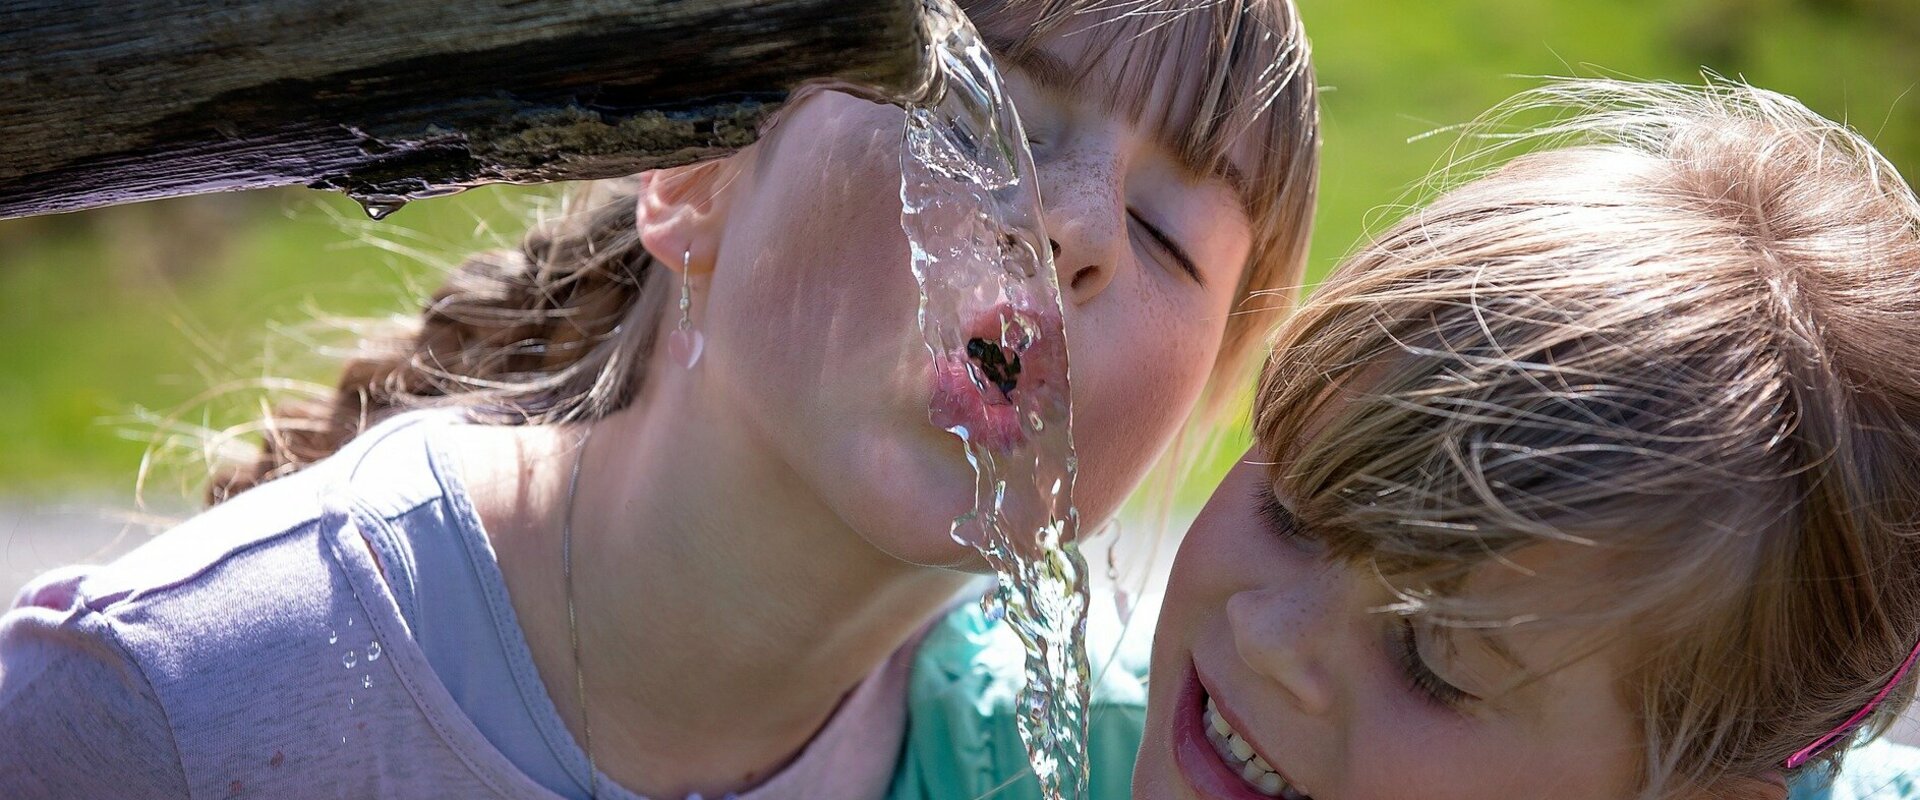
(652, 504)
(1593, 479)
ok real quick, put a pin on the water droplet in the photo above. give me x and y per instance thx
(343, 740)
(351, 702)
(379, 205)
(333, 637)
(1035, 423)
(373, 651)
(349, 622)
(350, 659)
(366, 681)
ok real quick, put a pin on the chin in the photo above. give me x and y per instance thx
(902, 493)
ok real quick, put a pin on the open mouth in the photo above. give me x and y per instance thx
(998, 365)
(1215, 759)
(1012, 349)
(1238, 756)
(1006, 375)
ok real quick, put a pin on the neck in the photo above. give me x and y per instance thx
(723, 609)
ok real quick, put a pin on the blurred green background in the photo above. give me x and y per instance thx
(116, 318)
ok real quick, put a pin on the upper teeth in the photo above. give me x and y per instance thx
(1238, 753)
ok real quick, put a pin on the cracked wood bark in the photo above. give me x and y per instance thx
(115, 102)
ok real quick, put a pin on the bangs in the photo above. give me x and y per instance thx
(1243, 108)
(1227, 63)
(1461, 393)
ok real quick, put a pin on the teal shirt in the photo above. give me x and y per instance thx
(1878, 770)
(962, 744)
(961, 740)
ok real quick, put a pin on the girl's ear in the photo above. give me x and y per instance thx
(682, 211)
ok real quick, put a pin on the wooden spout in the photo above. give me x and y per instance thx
(119, 102)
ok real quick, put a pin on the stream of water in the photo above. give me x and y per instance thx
(991, 317)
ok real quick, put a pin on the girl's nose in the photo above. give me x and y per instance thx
(1289, 637)
(1086, 225)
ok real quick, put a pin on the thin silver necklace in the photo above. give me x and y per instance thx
(573, 620)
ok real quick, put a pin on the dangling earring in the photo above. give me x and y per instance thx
(685, 344)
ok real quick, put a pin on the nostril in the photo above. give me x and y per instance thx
(1082, 277)
(1055, 245)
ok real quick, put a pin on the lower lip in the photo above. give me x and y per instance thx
(1194, 756)
(957, 405)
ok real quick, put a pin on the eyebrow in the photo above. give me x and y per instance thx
(1055, 74)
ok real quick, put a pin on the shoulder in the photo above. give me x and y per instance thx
(242, 595)
(90, 655)
(266, 564)
(139, 641)
(247, 557)
(78, 709)
(963, 739)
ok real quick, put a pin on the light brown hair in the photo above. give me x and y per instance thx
(1683, 332)
(560, 328)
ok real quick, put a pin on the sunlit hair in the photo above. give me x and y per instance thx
(1246, 81)
(1682, 334)
(560, 329)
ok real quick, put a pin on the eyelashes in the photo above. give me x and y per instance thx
(1420, 676)
(1168, 246)
(1274, 515)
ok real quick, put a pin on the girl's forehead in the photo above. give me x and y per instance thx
(1164, 72)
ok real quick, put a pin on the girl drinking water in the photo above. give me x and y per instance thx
(437, 583)
(1594, 478)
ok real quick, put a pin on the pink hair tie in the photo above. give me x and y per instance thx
(1820, 744)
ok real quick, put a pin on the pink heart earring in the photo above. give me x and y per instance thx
(685, 344)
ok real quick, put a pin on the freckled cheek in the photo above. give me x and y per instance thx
(1133, 384)
(1410, 751)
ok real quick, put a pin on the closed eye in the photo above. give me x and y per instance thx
(1279, 519)
(1420, 676)
(1168, 244)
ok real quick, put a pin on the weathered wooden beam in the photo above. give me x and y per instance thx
(106, 101)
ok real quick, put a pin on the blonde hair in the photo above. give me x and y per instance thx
(560, 328)
(1685, 333)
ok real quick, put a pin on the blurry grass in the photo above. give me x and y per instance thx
(94, 330)
(1394, 70)
(101, 329)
